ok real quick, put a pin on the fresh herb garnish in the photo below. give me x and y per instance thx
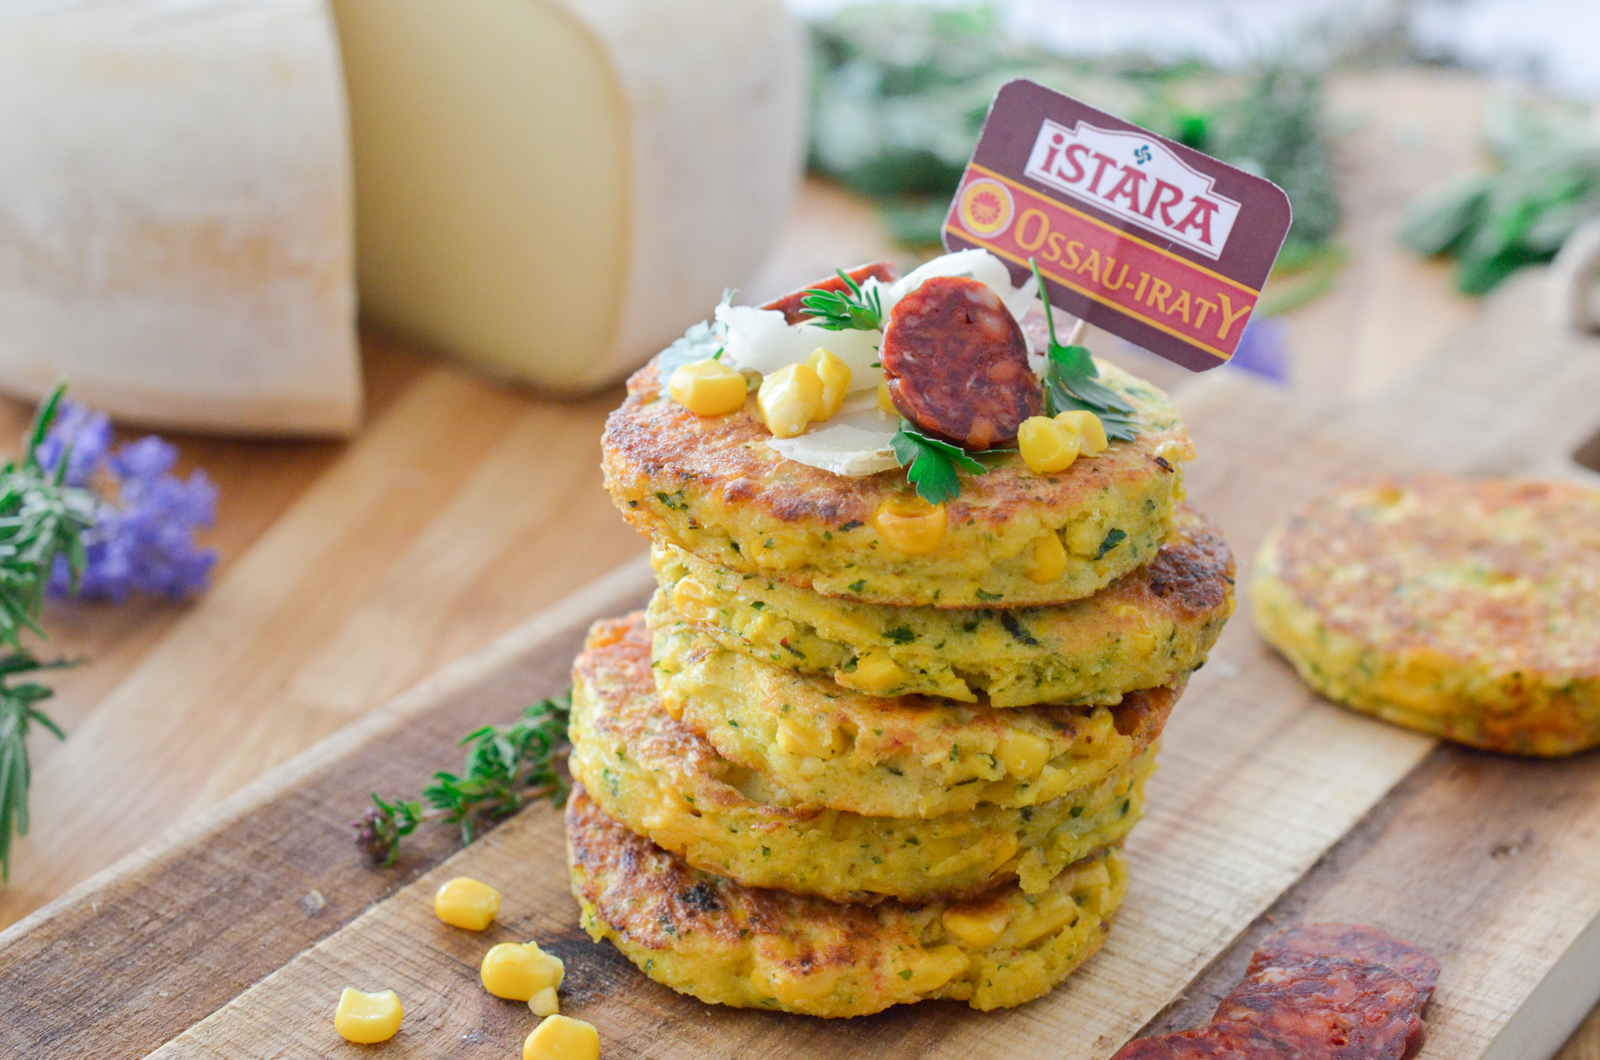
(506, 766)
(845, 310)
(930, 464)
(41, 517)
(1071, 381)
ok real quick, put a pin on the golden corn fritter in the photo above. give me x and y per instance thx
(1149, 628)
(666, 782)
(712, 486)
(1464, 609)
(913, 756)
(748, 947)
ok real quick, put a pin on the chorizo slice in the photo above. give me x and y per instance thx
(793, 312)
(1219, 1041)
(956, 364)
(1331, 1008)
(1305, 941)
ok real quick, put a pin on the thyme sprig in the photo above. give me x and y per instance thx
(845, 310)
(931, 464)
(40, 518)
(1071, 381)
(506, 766)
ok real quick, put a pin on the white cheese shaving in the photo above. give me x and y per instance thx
(761, 340)
(854, 443)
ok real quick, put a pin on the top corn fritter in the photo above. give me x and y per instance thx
(711, 485)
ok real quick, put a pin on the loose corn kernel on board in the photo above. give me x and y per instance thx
(1271, 807)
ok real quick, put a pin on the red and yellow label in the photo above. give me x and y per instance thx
(1102, 262)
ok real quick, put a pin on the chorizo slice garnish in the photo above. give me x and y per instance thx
(1299, 944)
(1331, 1007)
(793, 312)
(956, 364)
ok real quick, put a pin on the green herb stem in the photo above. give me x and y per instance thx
(41, 517)
(506, 766)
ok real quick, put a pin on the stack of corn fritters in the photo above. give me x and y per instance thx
(824, 775)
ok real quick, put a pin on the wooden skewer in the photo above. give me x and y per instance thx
(1078, 329)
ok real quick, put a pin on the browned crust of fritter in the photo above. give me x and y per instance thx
(652, 446)
(1390, 606)
(1189, 579)
(656, 899)
(616, 660)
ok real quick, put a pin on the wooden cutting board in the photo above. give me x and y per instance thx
(233, 937)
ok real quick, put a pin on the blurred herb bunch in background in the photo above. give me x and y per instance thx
(1544, 182)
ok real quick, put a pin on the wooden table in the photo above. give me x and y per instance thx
(351, 570)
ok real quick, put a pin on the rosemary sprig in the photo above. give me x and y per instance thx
(17, 715)
(40, 518)
(506, 766)
(1071, 381)
(845, 310)
(931, 464)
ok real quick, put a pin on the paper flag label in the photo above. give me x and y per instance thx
(1137, 234)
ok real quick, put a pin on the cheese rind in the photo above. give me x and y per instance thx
(555, 189)
(175, 218)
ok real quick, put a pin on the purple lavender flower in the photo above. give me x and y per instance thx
(1264, 349)
(89, 434)
(143, 539)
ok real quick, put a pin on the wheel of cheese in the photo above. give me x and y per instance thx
(556, 189)
(175, 217)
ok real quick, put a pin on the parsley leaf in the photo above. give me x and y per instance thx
(841, 311)
(930, 464)
(1071, 381)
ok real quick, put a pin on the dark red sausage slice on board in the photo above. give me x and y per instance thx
(1331, 1008)
(794, 312)
(957, 364)
(1297, 945)
(1219, 1041)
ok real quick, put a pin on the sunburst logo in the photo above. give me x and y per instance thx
(986, 207)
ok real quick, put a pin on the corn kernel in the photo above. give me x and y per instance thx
(1049, 558)
(516, 973)
(789, 399)
(1004, 847)
(562, 1038)
(545, 1002)
(978, 925)
(691, 601)
(936, 967)
(708, 388)
(877, 672)
(885, 401)
(1047, 446)
(1049, 916)
(367, 1018)
(835, 376)
(466, 903)
(910, 524)
(1023, 754)
(812, 987)
(1087, 426)
(817, 740)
